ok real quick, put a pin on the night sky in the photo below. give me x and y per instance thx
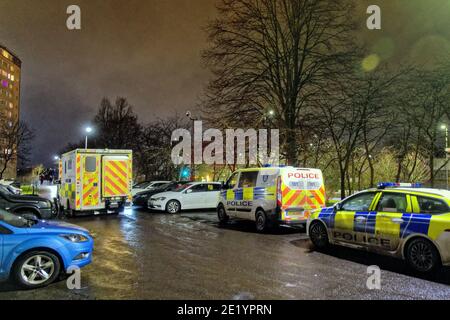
(149, 51)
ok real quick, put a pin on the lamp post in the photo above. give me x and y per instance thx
(88, 130)
(445, 127)
(193, 119)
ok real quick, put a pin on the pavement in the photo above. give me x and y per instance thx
(150, 255)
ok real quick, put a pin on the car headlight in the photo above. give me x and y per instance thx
(160, 199)
(44, 204)
(75, 237)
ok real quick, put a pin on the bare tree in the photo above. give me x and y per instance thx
(272, 56)
(15, 139)
(430, 104)
(116, 125)
(153, 153)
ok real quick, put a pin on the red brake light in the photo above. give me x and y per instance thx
(279, 193)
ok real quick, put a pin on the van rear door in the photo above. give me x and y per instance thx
(90, 177)
(302, 190)
(116, 176)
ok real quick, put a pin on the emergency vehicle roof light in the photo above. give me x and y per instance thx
(267, 165)
(383, 185)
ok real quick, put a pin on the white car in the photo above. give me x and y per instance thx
(193, 195)
(8, 184)
(145, 186)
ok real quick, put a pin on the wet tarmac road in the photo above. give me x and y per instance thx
(145, 255)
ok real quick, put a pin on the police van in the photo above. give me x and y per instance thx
(272, 196)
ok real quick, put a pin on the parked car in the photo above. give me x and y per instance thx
(11, 189)
(193, 195)
(11, 185)
(32, 207)
(148, 185)
(141, 198)
(400, 220)
(34, 253)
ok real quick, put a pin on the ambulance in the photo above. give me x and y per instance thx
(95, 181)
(272, 196)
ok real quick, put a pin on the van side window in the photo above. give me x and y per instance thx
(69, 165)
(266, 180)
(248, 179)
(90, 164)
(232, 181)
(432, 206)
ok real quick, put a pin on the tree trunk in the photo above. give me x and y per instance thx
(343, 176)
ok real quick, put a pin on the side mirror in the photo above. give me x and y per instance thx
(189, 191)
(337, 207)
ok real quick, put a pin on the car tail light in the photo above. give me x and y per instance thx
(279, 193)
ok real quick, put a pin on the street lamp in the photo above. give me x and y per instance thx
(193, 119)
(88, 130)
(445, 127)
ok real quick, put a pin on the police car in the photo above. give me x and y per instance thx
(396, 219)
(272, 196)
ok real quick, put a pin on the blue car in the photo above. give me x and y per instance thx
(34, 253)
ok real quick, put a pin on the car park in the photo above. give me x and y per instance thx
(146, 186)
(193, 195)
(272, 196)
(399, 220)
(141, 198)
(29, 206)
(34, 253)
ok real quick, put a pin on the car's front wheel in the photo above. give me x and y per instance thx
(36, 269)
(173, 206)
(222, 215)
(422, 255)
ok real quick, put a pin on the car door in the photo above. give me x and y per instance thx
(212, 195)
(430, 218)
(4, 232)
(351, 218)
(391, 209)
(195, 196)
(244, 194)
(229, 194)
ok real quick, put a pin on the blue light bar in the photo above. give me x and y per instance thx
(383, 185)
